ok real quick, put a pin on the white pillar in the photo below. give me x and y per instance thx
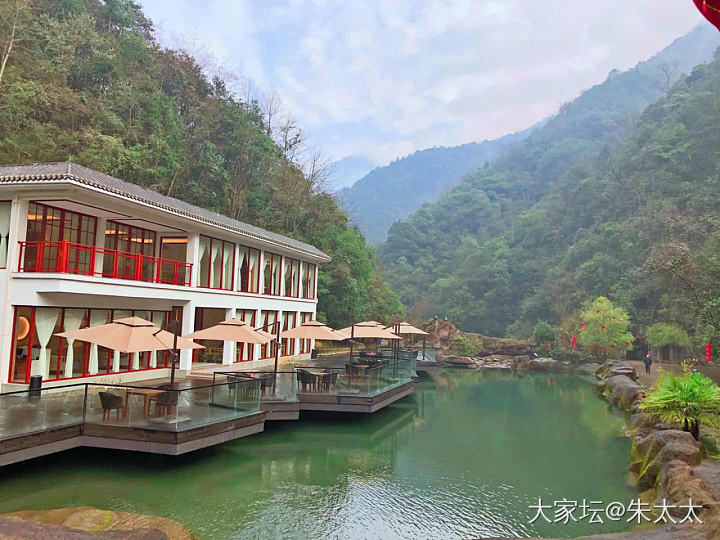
(100, 244)
(296, 348)
(17, 233)
(193, 257)
(229, 346)
(188, 326)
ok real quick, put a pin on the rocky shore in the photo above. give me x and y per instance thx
(87, 523)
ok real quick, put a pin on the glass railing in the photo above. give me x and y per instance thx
(354, 379)
(158, 408)
(273, 387)
(26, 412)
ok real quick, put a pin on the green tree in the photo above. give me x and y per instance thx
(689, 399)
(544, 333)
(606, 328)
(662, 334)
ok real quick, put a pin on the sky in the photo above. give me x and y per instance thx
(383, 78)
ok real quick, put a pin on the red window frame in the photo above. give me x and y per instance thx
(82, 236)
(162, 356)
(112, 242)
(305, 316)
(308, 266)
(288, 346)
(257, 278)
(222, 264)
(288, 264)
(268, 350)
(239, 353)
(275, 259)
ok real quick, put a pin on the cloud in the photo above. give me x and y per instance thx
(386, 78)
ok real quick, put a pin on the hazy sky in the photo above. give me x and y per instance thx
(383, 78)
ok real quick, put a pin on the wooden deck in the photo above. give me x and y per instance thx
(349, 403)
(116, 437)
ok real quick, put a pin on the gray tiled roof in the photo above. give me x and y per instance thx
(39, 172)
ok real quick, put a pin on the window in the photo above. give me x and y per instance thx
(37, 350)
(217, 260)
(47, 227)
(129, 241)
(245, 351)
(269, 319)
(308, 280)
(305, 343)
(249, 270)
(5, 209)
(292, 278)
(173, 248)
(213, 351)
(272, 271)
(289, 318)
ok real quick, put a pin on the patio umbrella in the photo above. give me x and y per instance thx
(232, 330)
(131, 335)
(313, 330)
(405, 328)
(367, 330)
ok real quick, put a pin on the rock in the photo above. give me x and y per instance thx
(711, 522)
(649, 454)
(458, 360)
(624, 369)
(623, 391)
(709, 472)
(28, 530)
(678, 485)
(590, 368)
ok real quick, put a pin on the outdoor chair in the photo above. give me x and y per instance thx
(331, 379)
(306, 380)
(109, 403)
(166, 402)
(233, 381)
(266, 381)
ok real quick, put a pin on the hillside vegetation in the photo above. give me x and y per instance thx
(86, 80)
(594, 203)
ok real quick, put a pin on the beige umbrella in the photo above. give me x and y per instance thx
(232, 330)
(405, 328)
(368, 330)
(313, 330)
(131, 335)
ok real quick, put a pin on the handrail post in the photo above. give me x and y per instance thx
(138, 266)
(21, 252)
(84, 408)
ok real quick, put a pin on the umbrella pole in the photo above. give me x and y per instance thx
(277, 355)
(174, 356)
(424, 348)
(352, 338)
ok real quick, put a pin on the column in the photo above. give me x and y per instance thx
(188, 326)
(17, 233)
(229, 346)
(100, 244)
(193, 257)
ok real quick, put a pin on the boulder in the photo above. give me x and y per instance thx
(623, 391)
(650, 453)
(460, 361)
(624, 369)
(677, 484)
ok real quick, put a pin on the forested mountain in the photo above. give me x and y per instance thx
(576, 209)
(86, 80)
(390, 193)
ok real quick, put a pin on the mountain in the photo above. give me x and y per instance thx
(348, 170)
(388, 194)
(87, 81)
(553, 221)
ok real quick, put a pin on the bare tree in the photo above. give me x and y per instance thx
(13, 23)
(668, 77)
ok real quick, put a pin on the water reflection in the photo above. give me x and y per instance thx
(461, 458)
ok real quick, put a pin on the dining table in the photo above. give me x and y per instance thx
(146, 394)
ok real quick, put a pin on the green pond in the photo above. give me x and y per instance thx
(462, 458)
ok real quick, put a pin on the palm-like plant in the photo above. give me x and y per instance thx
(688, 399)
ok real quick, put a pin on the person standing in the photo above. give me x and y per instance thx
(648, 363)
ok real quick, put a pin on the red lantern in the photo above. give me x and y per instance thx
(583, 325)
(612, 346)
(574, 341)
(627, 343)
(548, 345)
(708, 353)
(603, 327)
(597, 311)
(710, 10)
(554, 342)
(602, 350)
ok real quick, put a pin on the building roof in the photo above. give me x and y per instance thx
(72, 172)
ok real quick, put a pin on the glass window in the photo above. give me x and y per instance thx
(5, 208)
(248, 269)
(308, 280)
(245, 351)
(173, 249)
(292, 278)
(217, 259)
(272, 271)
(305, 343)
(289, 318)
(124, 243)
(269, 318)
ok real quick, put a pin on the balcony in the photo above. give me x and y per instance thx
(64, 257)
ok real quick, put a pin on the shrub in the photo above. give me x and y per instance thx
(544, 333)
(468, 344)
(562, 354)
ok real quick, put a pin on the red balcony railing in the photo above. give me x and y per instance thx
(69, 258)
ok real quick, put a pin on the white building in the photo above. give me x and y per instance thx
(80, 248)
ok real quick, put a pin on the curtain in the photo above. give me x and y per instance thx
(228, 252)
(5, 208)
(135, 361)
(45, 319)
(97, 317)
(242, 261)
(214, 250)
(201, 251)
(73, 320)
(153, 359)
(118, 314)
(254, 256)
